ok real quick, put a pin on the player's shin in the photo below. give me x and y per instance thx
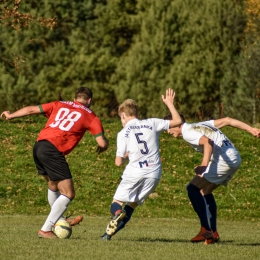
(52, 196)
(129, 211)
(210, 200)
(57, 210)
(198, 204)
(115, 207)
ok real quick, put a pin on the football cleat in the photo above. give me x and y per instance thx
(106, 237)
(209, 241)
(204, 236)
(216, 236)
(46, 234)
(112, 225)
(74, 221)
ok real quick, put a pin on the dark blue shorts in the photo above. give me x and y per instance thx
(50, 161)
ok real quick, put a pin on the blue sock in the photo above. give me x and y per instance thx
(198, 204)
(213, 210)
(129, 211)
(114, 207)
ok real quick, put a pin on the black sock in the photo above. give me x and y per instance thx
(213, 210)
(114, 207)
(198, 204)
(129, 211)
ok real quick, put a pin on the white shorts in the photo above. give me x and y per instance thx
(135, 190)
(223, 166)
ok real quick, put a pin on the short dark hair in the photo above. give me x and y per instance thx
(169, 117)
(84, 92)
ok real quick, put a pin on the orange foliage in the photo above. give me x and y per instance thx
(10, 16)
(253, 12)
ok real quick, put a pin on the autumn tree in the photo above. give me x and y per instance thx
(12, 18)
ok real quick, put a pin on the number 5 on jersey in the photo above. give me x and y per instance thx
(146, 151)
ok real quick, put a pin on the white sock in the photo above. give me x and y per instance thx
(52, 196)
(57, 209)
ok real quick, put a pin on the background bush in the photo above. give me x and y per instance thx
(207, 51)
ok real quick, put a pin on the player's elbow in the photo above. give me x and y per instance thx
(176, 122)
(32, 110)
(227, 119)
(117, 164)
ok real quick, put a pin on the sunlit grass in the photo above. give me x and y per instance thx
(143, 238)
(160, 229)
(22, 191)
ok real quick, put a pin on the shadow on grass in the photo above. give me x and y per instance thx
(163, 240)
(225, 242)
(181, 241)
(249, 244)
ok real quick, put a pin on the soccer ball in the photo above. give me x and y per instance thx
(62, 229)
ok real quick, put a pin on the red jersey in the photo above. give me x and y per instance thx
(68, 121)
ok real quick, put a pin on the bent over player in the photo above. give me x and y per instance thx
(67, 123)
(138, 141)
(219, 163)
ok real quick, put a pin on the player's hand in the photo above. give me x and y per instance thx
(200, 169)
(169, 96)
(101, 149)
(255, 132)
(6, 114)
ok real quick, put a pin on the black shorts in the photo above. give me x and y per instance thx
(50, 161)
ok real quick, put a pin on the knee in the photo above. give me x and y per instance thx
(71, 194)
(190, 188)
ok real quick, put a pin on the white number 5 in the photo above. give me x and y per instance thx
(65, 124)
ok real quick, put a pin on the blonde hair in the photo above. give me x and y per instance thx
(129, 107)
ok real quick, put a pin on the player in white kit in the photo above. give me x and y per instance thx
(137, 142)
(219, 163)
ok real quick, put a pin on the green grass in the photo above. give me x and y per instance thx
(161, 228)
(22, 191)
(148, 238)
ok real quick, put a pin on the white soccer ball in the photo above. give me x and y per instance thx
(62, 229)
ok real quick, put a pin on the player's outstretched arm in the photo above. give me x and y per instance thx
(237, 124)
(30, 110)
(169, 102)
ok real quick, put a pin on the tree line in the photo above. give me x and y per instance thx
(207, 51)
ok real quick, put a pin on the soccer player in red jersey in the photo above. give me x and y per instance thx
(67, 123)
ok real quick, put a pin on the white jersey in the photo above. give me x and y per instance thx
(193, 132)
(225, 159)
(140, 139)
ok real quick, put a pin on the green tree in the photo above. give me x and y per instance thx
(192, 46)
(136, 49)
(12, 18)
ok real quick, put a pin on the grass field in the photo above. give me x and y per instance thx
(142, 239)
(160, 229)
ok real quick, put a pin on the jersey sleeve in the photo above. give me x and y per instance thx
(212, 122)
(46, 109)
(161, 124)
(96, 127)
(121, 145)
(191, 135)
